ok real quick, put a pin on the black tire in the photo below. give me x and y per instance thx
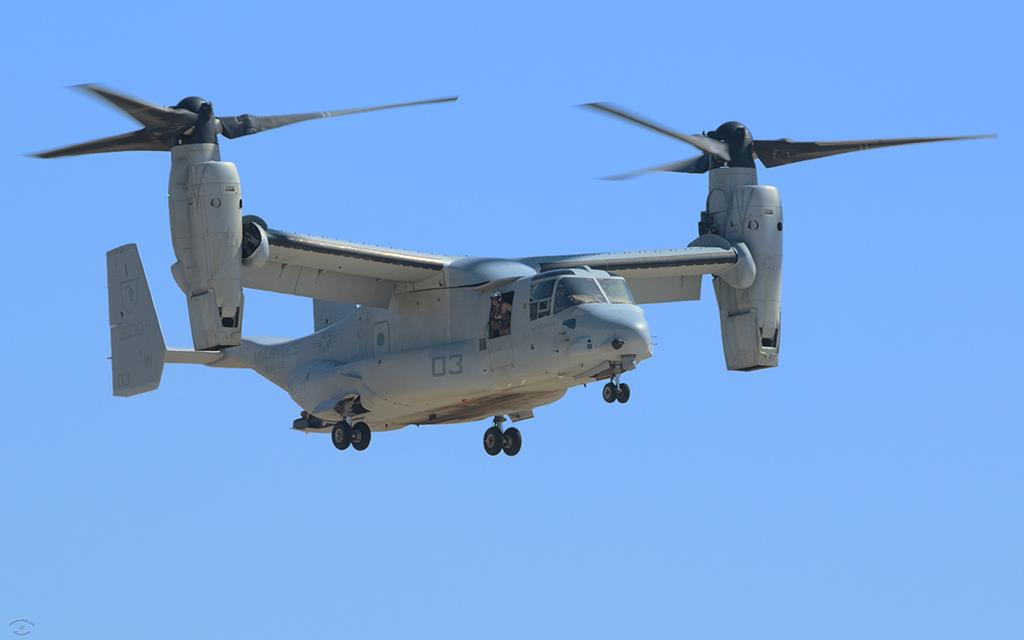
(609, 393)
(360, 436)
(512, 441)
(341, 436)
(494, 440)
(623, 393)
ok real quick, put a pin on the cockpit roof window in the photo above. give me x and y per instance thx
(542, 290)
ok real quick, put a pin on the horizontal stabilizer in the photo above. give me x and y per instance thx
(188, 356)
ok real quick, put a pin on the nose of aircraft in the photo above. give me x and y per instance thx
(619, 329)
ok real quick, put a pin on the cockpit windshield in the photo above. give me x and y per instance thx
(616, 290)
(572, 291)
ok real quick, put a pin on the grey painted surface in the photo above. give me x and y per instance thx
(403, 337)
(136, 344)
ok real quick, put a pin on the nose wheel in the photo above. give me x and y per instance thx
(497, 440)
(615, 392)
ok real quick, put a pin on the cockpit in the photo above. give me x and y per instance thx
(553, 292)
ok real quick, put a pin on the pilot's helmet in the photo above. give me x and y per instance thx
(496, 296)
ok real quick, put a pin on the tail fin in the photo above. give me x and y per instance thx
(137, 349)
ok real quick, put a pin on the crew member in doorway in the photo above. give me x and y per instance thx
(494, 323)
(506, 316)
(500, 323)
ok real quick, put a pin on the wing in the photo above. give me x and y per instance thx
(664, 275)
(341, 271)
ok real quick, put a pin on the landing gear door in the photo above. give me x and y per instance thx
(381, 339)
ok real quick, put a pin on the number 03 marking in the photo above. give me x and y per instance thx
(450, 366)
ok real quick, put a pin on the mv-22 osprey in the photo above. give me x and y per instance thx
(403, 337)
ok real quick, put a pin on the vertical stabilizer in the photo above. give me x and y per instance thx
(137, 347)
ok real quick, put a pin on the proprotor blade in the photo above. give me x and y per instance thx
(243, 125)
(146, 114)
(773, 153)
(135, 141)
(708, 145)
(162, 126)
(697, 164)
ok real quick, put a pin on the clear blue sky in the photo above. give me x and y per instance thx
(868, 487)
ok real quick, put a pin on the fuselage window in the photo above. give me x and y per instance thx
(617, 290)
(499, 321)
(540, 298)
(573, 291)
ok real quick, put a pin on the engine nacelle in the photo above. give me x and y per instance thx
(750, 317)
(214, 277)
(255, 244)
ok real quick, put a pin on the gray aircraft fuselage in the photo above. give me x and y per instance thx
(430, 359)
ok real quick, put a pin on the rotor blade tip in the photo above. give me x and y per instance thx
(619, 177)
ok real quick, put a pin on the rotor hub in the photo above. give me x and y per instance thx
(741, 143)
(205, 128)
(192, 103)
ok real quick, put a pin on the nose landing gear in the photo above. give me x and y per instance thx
(609, 393)
(496, 440)
(615, 390)
(622, 393)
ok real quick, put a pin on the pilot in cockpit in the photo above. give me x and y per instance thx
(563, 298)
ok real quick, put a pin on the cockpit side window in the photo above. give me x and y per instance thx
(617, 290)
(540, 298)
(576, 290)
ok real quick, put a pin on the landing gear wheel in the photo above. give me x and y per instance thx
(622, 395)
(609, 393)
(512, 441)
(360, 436)
(494, 440)
(341, 436)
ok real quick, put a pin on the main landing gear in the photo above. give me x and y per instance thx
(357, 435)
(615, 390)
(497, 440)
